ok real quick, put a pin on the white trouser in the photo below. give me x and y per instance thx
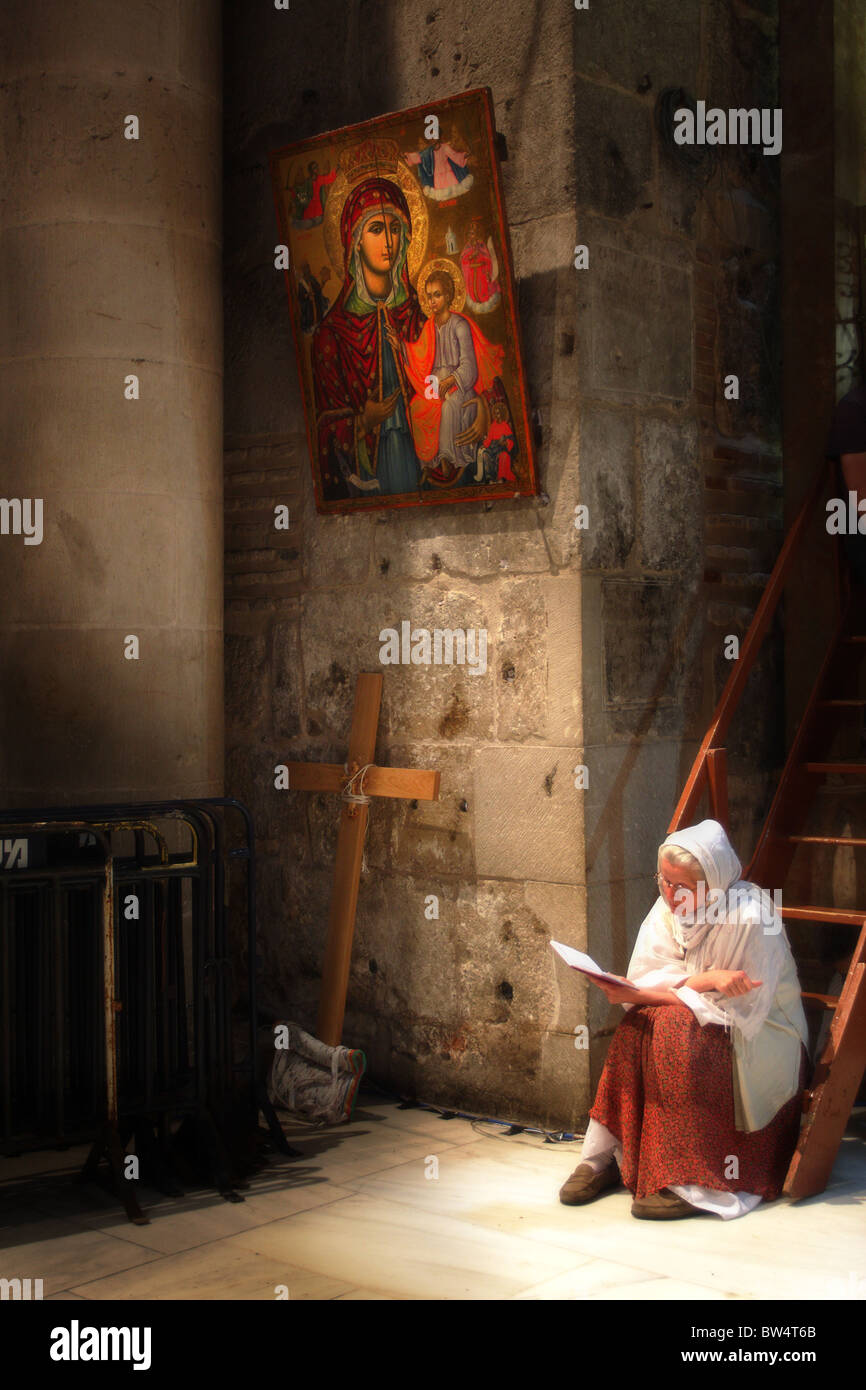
(600, 1146)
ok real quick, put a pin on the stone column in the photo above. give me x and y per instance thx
(111, 254)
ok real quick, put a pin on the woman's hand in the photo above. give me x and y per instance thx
(375, 412)
(616, 994)
(728, 982)
(446, 384)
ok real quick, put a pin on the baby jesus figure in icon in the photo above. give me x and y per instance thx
(450, 367)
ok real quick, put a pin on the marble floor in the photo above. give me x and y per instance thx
(403, 1204)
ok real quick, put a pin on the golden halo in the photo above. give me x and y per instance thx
(452, 269)
(339, 192)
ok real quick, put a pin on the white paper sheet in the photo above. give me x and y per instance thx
(586, 965)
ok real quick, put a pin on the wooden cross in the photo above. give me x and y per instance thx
(377, 781)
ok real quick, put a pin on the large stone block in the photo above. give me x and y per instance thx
(280, 816)
(544, 244)
(404, 962)
(652, 641)
(455, 47)
(481, 979)
(521, 668)
(560, 473)
(438, 702)
(528, 814)
(431, 839)
(293, 923)
(615, 910)
(539, 176)
(540, 312)
(508, 965)
(286, 658)
(637, 338)
(644, 48)
(633, 239)
(743, 53)
(671, 495)
(613, 150)
(632, 791)
(248, 680)
(547, 302)
(564, 704)
(336, 548)
(464, 542)
(607, 468)
(675, 706)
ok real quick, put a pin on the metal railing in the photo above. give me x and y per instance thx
(115, 977)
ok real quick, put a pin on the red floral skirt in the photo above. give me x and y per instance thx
(666, 1093)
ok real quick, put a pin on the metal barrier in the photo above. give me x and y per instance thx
(116, 983)
(57, 1021)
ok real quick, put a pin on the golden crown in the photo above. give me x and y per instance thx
(371, 157)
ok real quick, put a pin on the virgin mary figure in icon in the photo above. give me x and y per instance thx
(362, 397)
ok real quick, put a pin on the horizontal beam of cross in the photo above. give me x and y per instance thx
(417, 784)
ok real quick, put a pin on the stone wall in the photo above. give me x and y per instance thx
(604, 643)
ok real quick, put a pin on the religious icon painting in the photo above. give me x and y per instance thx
(403, 308)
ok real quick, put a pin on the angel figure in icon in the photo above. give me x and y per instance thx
(442, 168)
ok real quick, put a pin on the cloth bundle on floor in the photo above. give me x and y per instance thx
(313, 1079)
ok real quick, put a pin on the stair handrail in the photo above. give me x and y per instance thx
(709, 768)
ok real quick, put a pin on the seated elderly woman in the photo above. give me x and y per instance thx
(699, 1102)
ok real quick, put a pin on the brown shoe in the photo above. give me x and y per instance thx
(585, 1184)
(664, 1206)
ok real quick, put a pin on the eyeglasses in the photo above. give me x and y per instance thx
(674, 887)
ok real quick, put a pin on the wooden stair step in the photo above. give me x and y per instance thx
(819, 1001)
(843, 916)
(846, 769)
(824, 840)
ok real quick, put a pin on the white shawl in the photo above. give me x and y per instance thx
(768, 1024)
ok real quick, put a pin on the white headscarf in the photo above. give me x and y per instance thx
(748, 934)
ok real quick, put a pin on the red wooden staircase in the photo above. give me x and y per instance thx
(817, 813)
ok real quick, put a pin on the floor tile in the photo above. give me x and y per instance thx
(183, 1223)
(222, 1270)
(347, 1154)
(63, 1255)
(367, 1295)
(416, 1120)
(399, 1250)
